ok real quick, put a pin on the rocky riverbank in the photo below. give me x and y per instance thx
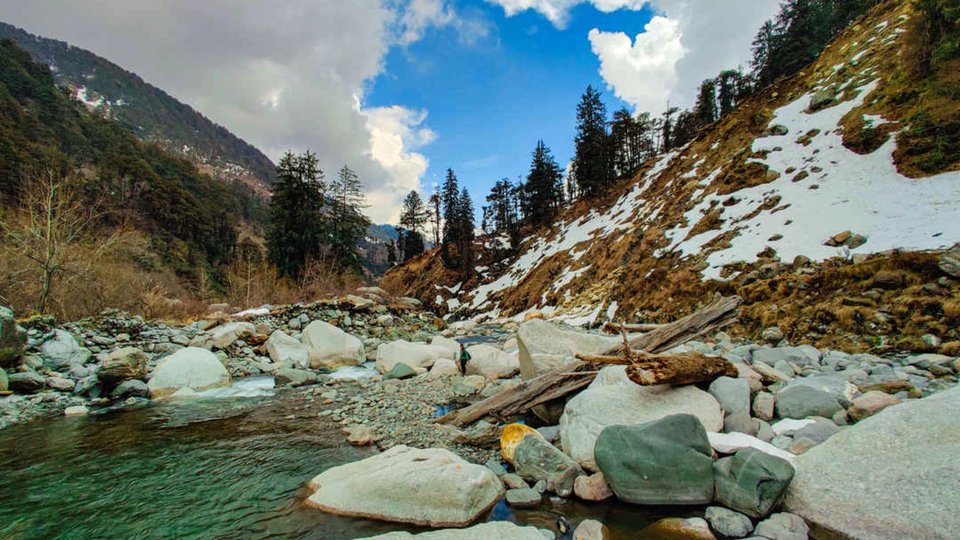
(736, 447)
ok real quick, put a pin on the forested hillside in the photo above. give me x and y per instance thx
(149, 112)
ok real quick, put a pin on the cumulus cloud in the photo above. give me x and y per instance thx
(280, 75)
(712, 35)
(643, 72)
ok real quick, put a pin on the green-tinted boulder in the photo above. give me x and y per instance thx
(28, 382)
(4, 382)
(400, 371)
(667, 461)
(801, 401)
(752, 482)
(536, 459)
(12, 338)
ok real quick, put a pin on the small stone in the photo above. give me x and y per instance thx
(679, 528)
(752, 481)
(592, 488)
(513, 481)
(772, 335)
(870, 404)
(728, 523)
(76, 410)
(523, 498)
(763, 406)
(783, 526)
(591, 529)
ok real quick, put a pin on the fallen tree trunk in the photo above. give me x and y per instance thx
(612, 328)
(683, 368)
(565, 380)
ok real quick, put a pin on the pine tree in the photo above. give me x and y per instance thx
(412, 218)
(297, 225)
(392, 253)
(706, 108)
(464, 218)
(449, 197)
(435, 216)
(666, 129)
(543, 193)
(592, 163)
(348, 224)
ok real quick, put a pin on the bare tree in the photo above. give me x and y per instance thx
(53, 221)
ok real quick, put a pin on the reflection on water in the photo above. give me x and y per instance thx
(205, 468)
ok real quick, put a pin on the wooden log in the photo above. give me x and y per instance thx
(567, 379)
(638, 327)
(683, 368)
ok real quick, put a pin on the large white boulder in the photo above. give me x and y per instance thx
(492, 362)
(585, 416)
(431, 487)
(222, 336)
(545, 346)
(443, 368)
(498, 530)
(191, 367)
(892, 475)
(286, 350)
(450, 345)
(331, 347)
(415, 355)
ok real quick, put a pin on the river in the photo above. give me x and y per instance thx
(232, 464)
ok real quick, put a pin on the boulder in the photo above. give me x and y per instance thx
(12, 339)
(294, 377)
(415, 355)
(492, 362)
(834, 384)
(678, 529)
(190, 367)
(287, 351)
(665, 462)
(591, 529)
(870, 404)
(223, 335)
(500, 530)
(733, 395)
(727, 522)
(511, 437)
(751, 481)
(802, 401)
(331, 347)
(536, 459)
(906, 489)
(28, 382)
(451, 346)
(60, 384)
(122, 364)
(400, 371)
(784, 526)
(594, 409)
(444, 368)
(61, 351)
(524, 498)
(130, 388)
(4, 381)
(430, 487)
(545, 346)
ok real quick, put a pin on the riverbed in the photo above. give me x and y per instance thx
(232, 464)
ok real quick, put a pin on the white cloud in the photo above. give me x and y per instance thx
(715, 34)
(643, 72)
(283, 76)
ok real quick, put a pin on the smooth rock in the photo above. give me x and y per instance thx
(294, 377)
(287, 351)
(536, 459)
(224, 335)
(732, 394)
(451, 346)
(415, 355)
(492, 530)
(731, 443)
(870, 404)
(591, 529)
(491, 362)
(667, 461)
(594, 409)
(545, 346)
(523, 498)
(783, 526)
(4, 381)
(122, 364)
(130, 388)
(361, 435)
(13, 338)
(28, 382)
(592, 488)
(444, 368)
(678, 529)
(727, 522)
(60, 384)
(751, 481)
(513, 481)
(803, 401)
(907, 488)
(62, 351)
(76, 410)
(331, 347)
(191, 367)
(763, 406)
(450, 492)
(511, 437)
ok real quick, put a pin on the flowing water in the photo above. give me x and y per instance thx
(231, 464)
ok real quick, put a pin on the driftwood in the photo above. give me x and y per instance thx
(612, 328)
(684, 368)
(567, 379)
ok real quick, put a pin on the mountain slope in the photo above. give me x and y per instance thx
(149, 112)
(822, 167)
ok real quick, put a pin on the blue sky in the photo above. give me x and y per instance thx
(401, 90)
(492, 97)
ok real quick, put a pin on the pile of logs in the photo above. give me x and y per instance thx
(641, 355)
